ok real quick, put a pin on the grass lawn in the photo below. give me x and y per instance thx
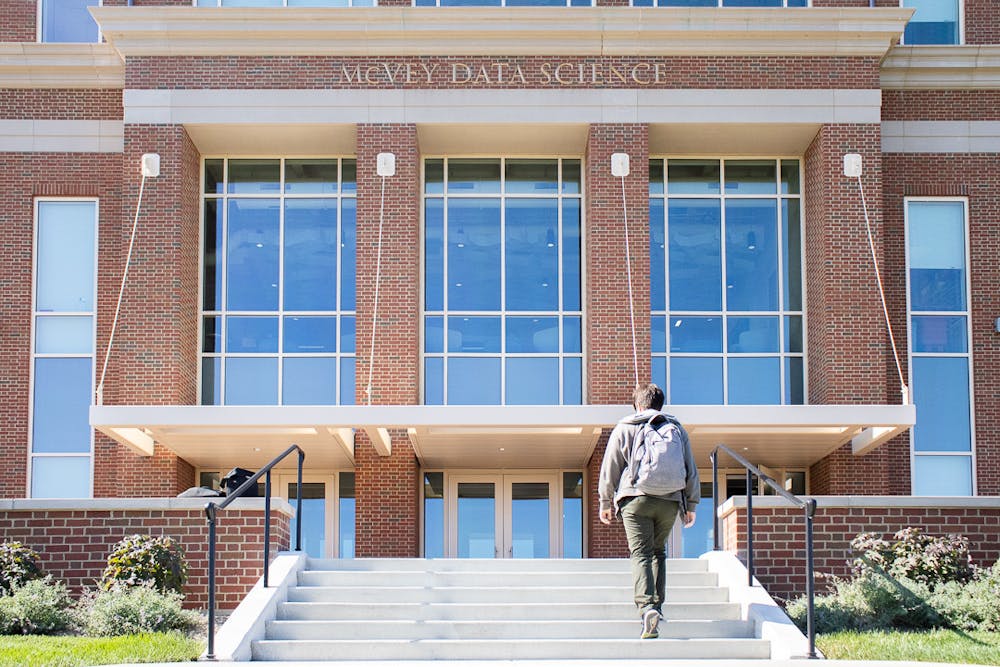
(37, 651)
(981, 648)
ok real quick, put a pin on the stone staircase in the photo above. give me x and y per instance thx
(443, 609)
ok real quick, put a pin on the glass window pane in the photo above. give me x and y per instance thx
(572, 381)
(349, 176)
(251, 334)
(251, 381)
(252, 265)
(310, 254)
(532, 334)
(751, 3)
(572, 338)
(434, 254)
(310, 176)
(793, 334)
(942, 475)
(433, 381)
(347, 333)
(571, 254)
(68, 21)
(572, 515)
(794, 381)
(791, 253)
(754, 381)
(942, 333)
(656, 182)
(937, 255)
(751, 177)
(571, 174)
(434, 176)
(751, 254)
(211, 338)
(64, 335)
(347, 380)
(473, 381)
(214, 176)
(532, 258)
(433, 334)
(347, 515)
(309, 381)
(695, 334)
(60, 421)
(693, 177)
(696, 380)
(532, 381)
(310, 334)
(60, 477)
(695, 232)
(532, 176)
(474, 254)
(790, 177)
(211, 381)
(529, 518)
(934, 22)
(348, 248)
(212, 272)
(313, 517)
(476, 518)
(658, 333)
(65, 247)
(434, 515)
(941, 394)
(657, 254)
(473, 176)
(473, 334)
(752, 334)
(658, 373)
(258, 177)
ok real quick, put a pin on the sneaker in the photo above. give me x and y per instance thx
(650, 623)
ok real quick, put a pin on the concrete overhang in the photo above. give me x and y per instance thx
(489, 436)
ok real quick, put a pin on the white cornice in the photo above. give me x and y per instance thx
(942, 68)
(512, 31)
(30, 65)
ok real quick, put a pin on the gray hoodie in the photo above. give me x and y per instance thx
(612, 487)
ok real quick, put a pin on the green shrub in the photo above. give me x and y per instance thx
(38, 607)
(126, 611)
(143, 560)
(915, 556)
(18, 565)
(971, 606)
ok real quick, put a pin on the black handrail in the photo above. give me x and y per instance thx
(212, 508)
(808, 504)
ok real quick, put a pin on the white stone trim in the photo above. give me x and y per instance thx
(942, 67)
(30, 65)
(937, 136)
(858, 502)
(62, 136)
(138, 505)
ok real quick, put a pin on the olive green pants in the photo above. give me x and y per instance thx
(648, 521)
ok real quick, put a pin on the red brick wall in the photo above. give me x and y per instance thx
(74, 544)
(982, 24)
(17, 21)
(386, 499)
(60, 103)
(941, 105)
(605, 541)
(779, 538)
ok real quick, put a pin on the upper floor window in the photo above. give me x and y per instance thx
(67, 21)
(933, 22)
(285, 3)
(720, 3)
(503, 3)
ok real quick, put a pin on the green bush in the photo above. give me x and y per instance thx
(38, 607)
(143, 560)
(971, 606)
(18, 565)
(126, 611)
(916, 556)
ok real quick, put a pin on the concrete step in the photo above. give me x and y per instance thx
(512, 649)
(494, 594)
(523, 577)
(513, 629)
(496, 564)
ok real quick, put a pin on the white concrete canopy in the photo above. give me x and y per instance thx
(489, 436)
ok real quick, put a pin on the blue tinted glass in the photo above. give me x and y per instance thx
(571, 168)
(942, 333)
(751, 177)
(211, 381)
(532, 334)
(348, 252)
(433, 526)
(658, 333)
(532, 381)
(257, 177)
(695, 232)
(942, 475)
(751, 3)
(473, 381)
(251, 381)
(752, 334)
(571, 254)
(347, 516)
(572, 338)
(60, 477)
(754, 381)
(791, 253)
(798, 3)
(933, 22)
(433, 169)
(251, 334)
(64, 335)
(793, 334)
(794, 381)
(751, 254)
(433, 381)
(696, 380)
(252, 265)
(349, 177)
(434, 254)
(313, 517)
(347, 333)
(309, 381)
(473, 334)
(693, 177)
(695, 334)
(310, 334)
(213, 234)
(572, 381)
(528, 509)
(659, 371)
(572, 517)
(699, 538)
(65, 248)
(937, 255)
(473, 176)
(642, 3)
(215, 176)
(474, 254)
(433, 334)
(532, 255)
(310, 176)
(68, 21)
(941, 394)
(60, 421)
(310, 254)
(534, 177)
(688, 3)
(657, 254)
(347, 382)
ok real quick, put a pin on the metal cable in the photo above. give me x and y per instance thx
(631, 297)
(378, 279)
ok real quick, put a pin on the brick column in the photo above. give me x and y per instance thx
(387, 487)
(604, 541)
(154, 360)
(610, 372)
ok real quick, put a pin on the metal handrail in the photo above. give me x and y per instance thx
(211, 509)
(807, 504)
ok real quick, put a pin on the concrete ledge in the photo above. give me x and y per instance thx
(829, 502)
(138, 504)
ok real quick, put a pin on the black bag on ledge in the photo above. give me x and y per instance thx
(234, 479)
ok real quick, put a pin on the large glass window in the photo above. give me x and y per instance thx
(940, 355)
(502, 314)
(933, 22)
(67, 21)
(726, 280)
(285, 3)
(63, 355)
(279, 281)
(720, 3)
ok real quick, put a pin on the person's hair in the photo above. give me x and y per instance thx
(646, 397)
